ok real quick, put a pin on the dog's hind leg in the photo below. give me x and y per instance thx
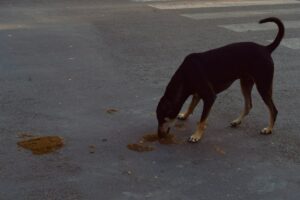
(267, 98)
(265, 89)
(193, 104)
(246, 87)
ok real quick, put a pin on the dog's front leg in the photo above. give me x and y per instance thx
(194, 102)
(207, 104)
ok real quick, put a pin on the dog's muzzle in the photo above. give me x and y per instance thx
(163, 131)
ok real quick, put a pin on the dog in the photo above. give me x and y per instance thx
(204, 75)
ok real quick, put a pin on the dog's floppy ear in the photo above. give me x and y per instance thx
(164, 109)
(179, 94)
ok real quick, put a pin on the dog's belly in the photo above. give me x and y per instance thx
(223, 80)
(219, 87)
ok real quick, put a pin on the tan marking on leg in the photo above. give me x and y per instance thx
(265, 89)
(190, 110)
(198, 133)
(272, 113)
(238, 120)
(208, 102)
(268, 130)
(246, 87)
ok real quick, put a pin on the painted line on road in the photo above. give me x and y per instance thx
(237, 14)
(143, 1)
(292, 43)
(214, 4)
(13, 26)
(259, 27)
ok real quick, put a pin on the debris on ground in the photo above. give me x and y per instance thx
(219, 150)
(42, 145)
(92, 148)
(111, 110)
(143, 144)
(140, 147)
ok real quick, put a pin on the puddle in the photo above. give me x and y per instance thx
(143, 144)
(42, 145)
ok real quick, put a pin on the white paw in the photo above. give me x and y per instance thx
(182, 116)
(195, 137)
(266, 131)
(235, 123)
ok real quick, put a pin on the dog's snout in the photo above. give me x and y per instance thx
(162, 132)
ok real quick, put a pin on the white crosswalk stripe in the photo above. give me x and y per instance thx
(258, 27)
(170, 5)
(142, 1)
(238, 14)
(292, 43)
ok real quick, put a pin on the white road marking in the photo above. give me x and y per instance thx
(13, 26)
(149, 0)
(237, 14)
(221, 3)
(259, 27)
(292, 43)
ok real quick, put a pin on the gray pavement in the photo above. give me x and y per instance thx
(63, 63)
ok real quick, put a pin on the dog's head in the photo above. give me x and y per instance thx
(165, 116)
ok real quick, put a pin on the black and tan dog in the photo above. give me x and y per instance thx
(206, 74)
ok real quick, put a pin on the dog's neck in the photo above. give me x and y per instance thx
(176, 93)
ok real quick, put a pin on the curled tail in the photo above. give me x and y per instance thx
(271, 47)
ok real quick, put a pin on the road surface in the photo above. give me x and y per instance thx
(92, 72)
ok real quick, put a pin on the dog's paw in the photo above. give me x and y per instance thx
(266, 131)
(196, 137)
(182, 116)
(235, 123)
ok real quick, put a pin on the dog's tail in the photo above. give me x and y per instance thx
(271, 47)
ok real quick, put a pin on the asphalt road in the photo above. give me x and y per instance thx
(64, 64)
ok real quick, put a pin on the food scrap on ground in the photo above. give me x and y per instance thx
(42, 145)
(104, 140)
(219, 150)
(140, 147)
(149, 138)
(169, 139)
(111, 110)
(143, 146)
(92, 148)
